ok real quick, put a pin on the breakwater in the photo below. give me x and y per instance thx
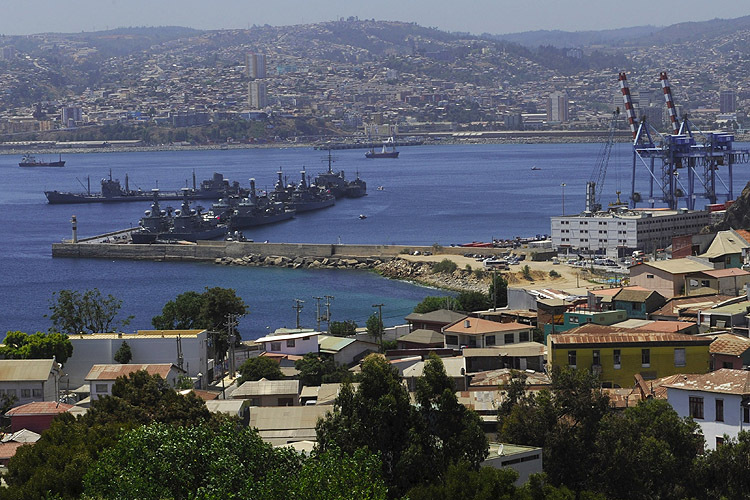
(207, 251)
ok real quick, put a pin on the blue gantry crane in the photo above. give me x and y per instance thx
(683, 165)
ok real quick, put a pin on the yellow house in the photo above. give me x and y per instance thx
(617, 357)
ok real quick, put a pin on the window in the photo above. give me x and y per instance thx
(597, 358)
(696, 407)
(746, 415)
(572, 359)
(25, 393)
(101, 388)
(574, 319)
(616, 358)
(510, 338)
(451, 340)
(719, 410)
(275, 346)
(286, 402)
(489, 340)
(645, 358)
(36, 393)
(523, 336)
(11, 393)
(719, 441)
(679, 356)
(650, 276)
(472, 341)
(290, 343)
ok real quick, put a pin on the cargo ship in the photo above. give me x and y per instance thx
(113, 192)
(384, 153)
(31, 161)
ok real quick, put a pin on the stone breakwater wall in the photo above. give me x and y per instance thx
(256, 260)
(422, 273)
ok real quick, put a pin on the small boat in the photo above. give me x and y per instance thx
(536, 168)
(362, 216)
(31, 161)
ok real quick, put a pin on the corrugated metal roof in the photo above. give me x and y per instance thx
(440, 316)
(285, 418)
(625, 338)
(286, 336)
(723, 273)
(724, 380)
(739, 308)
(39, 408)
(477, 326)
(12, 370)
(630, 295)
(453, 367)
(685, 304)
(725, 243)
(113, 371)
(265, 387)
(333, 344)
(503, 376)
(677, 266)
(732, 345)
(140, 334)
(229, 406)
(423, 336)
(523, 349)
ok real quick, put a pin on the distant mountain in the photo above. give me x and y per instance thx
(637, 36)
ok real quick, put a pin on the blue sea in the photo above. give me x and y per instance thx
(445, 194)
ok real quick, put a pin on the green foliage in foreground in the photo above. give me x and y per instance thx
(444, 266)
(87, 312)
(315, 369)
(160, 461)
(18, 345)
(258, 368)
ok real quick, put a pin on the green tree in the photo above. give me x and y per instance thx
(375, 327)
(90, 312)
(498, 286)
(343, 328)
(259, 367)
(432, 303)
(123, 354)
(473, 301)
(18, 345)
(209, 310)
(526, 271)
(651, 442)
(462, 482)
(315, 369)
(723, 473)
(564, 421)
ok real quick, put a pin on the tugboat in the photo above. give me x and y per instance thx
(31, 161)
(356, 188)
(258, 210)
(112, 191)
(384, 153)
(187, 224)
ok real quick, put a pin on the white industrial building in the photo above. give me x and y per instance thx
(188, 348)
(625, 229)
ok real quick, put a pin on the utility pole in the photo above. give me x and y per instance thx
(329, 298)
(380, 324)
(317, 310)
(231, 325)
(298, 307)
(494, 290)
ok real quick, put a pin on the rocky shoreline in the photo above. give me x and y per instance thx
(422, 273)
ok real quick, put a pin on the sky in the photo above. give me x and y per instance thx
(21, 17)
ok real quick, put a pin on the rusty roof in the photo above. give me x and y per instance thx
(477, 326)
(723, 273)
(626, 338)
(12, 370)
(732, 345)
(503, 377)
(724, 380)
(678, 305)
(39, 408)
(665, 326)
(113, 371)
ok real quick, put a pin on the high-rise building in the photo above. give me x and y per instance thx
(727, 101)
(255, 65)
(70, 115)
(257, 97)
(557, 107)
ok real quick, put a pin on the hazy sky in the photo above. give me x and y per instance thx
(474, 16)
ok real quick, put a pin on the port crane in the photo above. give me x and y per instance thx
(681, 165)
(596, 184)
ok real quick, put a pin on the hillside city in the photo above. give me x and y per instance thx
(351, 77)
(609, 359)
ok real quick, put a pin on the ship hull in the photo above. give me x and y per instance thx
(387, 154)
(43, 164)
(309, 206)
(58, 198)
(245, 221)
(142, 237)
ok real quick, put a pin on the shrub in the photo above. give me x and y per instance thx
(554, 274)
(445, 266)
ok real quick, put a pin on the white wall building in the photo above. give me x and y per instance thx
(29, 380)
(715, 401)
(297, 343)
(636, 229)
(101, 378)
(147, 346)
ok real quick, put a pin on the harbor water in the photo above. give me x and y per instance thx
(446, 194)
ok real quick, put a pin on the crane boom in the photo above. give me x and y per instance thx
(595, 186)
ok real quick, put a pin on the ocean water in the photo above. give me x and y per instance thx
(445, 194)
